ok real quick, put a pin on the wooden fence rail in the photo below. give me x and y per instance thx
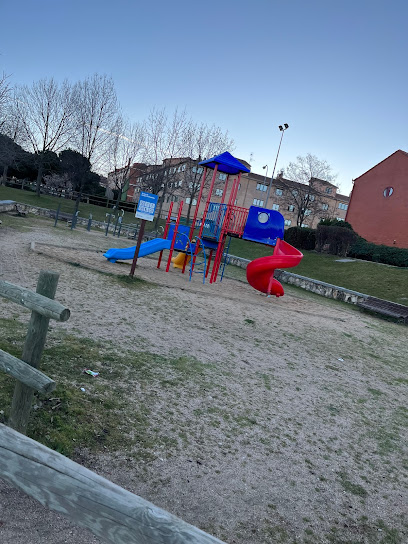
(43, 309)
(113, 514)
(25, 373)
(34, 301)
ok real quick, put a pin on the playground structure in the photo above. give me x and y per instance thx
(221, 222)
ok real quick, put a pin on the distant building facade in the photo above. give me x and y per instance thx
(180, 180)
(378, 209)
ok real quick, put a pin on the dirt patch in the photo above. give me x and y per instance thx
(295, 432)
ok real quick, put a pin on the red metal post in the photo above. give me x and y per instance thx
(200, 194)
(224, 193)
(166, 230)
(209, 262)
(207, 204)
(174, 235)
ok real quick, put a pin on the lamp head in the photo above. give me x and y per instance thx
(266, 166)
(286, 126)
(280, 127)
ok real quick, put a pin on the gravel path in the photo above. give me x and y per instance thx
(299, 432)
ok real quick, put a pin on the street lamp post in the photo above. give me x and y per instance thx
(266, 173)
(282, 129)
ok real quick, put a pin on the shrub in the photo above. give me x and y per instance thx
(335, 223)
(361, 249)
(337, 240)
(300, 237)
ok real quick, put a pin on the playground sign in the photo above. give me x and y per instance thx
(147, 206)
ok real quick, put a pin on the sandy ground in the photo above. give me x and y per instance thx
(296, 445)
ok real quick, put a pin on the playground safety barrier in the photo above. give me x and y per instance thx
(110, 512)
(29, 378)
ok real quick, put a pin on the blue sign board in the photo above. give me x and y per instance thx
(146, 206)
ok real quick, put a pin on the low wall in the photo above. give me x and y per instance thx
(315, 286)
(7, 205)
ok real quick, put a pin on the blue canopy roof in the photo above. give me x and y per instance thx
(226, 164)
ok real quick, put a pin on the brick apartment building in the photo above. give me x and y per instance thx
(378, 208)
(182, 176)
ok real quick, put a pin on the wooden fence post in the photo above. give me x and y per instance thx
(32, 351)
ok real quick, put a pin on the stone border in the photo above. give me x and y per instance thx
(315, 286)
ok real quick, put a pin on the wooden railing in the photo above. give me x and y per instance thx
(29, 378)
(112, 514)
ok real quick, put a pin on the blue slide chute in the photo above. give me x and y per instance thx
(152, 246)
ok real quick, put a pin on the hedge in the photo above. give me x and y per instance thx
(301, 237)
(337, 240)
(361, 249)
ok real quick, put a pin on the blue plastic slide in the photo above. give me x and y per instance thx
(146, 248)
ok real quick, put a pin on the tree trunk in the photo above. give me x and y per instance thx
(4, 178)
(161, 201)
(39, 178)
(189, 211)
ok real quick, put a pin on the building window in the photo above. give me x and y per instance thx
(261, 187)
(328, 190)
(218, 192)
(388, 191)
(279, 192)
(239, 186)
(294, 192)
(222, 177)
(309, 198)
(194, 169)
(180, 183)
(188, 200)
(343, 206)
(194, 201)
(275, 207)
(199, 170)
(288, 222)
(308, 212)
(235, 203)
(291, 208)
(339, 219)
(183, 168)
(258, 202)
(325, 206)
(303, 225)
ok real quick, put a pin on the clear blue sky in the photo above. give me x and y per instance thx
(334, 70)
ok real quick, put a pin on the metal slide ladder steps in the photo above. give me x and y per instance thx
(190, 251)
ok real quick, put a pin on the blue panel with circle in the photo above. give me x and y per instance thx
(264, 226)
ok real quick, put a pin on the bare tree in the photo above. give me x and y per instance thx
(96, 113)
(201, 141)
(307, 195)
(125, 145)
(12, 137)
(173, 147)
(163, 151)
(46, 112)
(58, 182)
(5, 95)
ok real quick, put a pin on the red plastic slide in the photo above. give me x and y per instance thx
(260, 271)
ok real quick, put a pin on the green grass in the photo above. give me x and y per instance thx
(52, 202)
(102, 417)
(382, 281)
